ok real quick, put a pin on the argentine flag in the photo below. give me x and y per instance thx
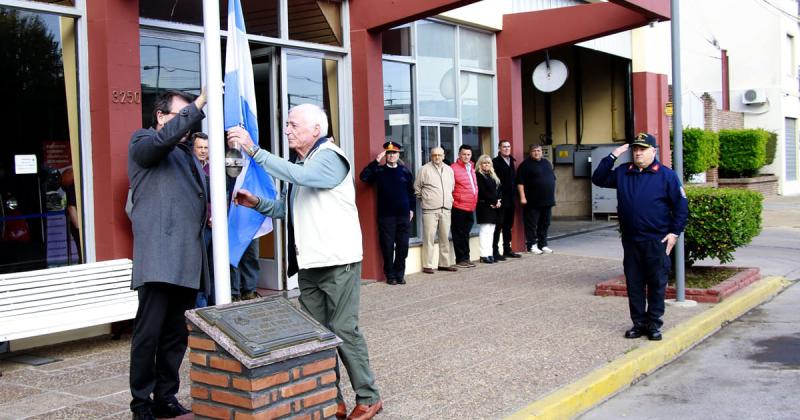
(244, 224)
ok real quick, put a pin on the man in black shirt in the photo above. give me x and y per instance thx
(395, 185)
(504, 168)
(536, 184)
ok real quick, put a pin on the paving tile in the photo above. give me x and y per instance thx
(100, 388)
(39, 404)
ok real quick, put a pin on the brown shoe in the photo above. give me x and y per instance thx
(450, 268)
(366, 412)
(427, 270)
(341, 411)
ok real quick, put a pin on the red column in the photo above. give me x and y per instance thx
(113, 32)
(367, 66)
(509, 114)
(650, 96)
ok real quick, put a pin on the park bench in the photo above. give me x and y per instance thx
(35, 303)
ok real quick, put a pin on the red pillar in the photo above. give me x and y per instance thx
(509, 113)
(368, 130)
(113, 32)
(650, 96)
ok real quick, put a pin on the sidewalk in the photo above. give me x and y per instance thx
(479, 343)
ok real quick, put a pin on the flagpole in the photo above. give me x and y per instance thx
(216, 151)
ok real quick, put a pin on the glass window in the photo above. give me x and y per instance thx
(397, 41)
(314, 80)
(57, 2)
(398, 112)
(475, 49)
(436, 60)
(41, 222)
(315, 21)
(477, 112)
(260, 16)
(167, 64)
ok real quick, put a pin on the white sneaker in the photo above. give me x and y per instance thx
(536, 251)
(547, 250)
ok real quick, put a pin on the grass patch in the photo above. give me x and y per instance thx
(706, 277)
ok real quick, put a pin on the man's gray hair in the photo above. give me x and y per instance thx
(314, 115)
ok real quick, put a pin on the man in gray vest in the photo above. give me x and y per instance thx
(324, 239)
(168, 215)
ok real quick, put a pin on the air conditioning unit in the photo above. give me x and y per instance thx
(754, 97)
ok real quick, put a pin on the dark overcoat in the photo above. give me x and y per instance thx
(168, 193)
(488, 194)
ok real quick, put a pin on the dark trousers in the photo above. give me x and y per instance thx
(537, 221)
(393, 235)
(159, 342)
(460, 225)
(244, 278)
(646, 266)
(505, 222)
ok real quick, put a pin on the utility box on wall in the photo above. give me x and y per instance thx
(604, 200)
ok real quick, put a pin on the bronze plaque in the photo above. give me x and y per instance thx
(266, 325)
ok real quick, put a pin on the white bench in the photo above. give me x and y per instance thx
(40, 302)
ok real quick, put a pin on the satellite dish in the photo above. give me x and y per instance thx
(549, 75)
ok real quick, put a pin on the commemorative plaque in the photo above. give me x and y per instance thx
(265, 325)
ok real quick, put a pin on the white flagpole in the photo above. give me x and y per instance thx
(216, 146)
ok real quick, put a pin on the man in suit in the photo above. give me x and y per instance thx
(168, 215)
(505, 170)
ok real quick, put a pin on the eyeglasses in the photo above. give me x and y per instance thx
(437, 154)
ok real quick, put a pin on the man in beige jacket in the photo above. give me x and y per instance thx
(434, 187)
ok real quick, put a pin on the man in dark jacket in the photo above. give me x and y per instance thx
(504, 168)
(395, 185)
(536, 184)
(652, 209)
(168, 215)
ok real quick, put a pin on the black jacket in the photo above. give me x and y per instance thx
(508, 179)
(488, 194)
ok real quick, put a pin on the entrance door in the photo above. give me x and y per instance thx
(442, 135)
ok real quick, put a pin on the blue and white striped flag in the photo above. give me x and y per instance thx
(244, 224)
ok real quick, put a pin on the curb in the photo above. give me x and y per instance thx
(583, 394)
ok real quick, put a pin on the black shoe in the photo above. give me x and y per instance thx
(654, 334)
(498, 257)
(169, 410)
(512, 254)
(487, 260)
(143, 414)
(391, 282)
(401, 281)
(634, 332)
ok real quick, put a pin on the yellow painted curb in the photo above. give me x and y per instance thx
(583, 394)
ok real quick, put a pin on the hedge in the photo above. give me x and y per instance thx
(700, 151)
(720, 220)
(742, 152)
(772, 146)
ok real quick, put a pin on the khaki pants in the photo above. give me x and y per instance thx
(435, 224)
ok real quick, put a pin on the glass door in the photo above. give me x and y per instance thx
(442, 135)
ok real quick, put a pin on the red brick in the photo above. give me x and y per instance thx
(271, 413)
(261, 383)
(209, 378)
(302, 417)
(319, 366)
(329, 411)
(297, 406)
(298, 388)
(319, 397)
(198, 358)
(202, 343)
(295, 373)
(230, 365)
(212, 411)
(327, 378)
(243, 401)
(199, 392)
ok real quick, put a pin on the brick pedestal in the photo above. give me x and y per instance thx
(298, 382)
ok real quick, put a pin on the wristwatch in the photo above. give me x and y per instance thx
(252, 150)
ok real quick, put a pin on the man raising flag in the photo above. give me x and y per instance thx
(244, 224)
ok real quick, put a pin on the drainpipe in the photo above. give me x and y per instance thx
(726, 86)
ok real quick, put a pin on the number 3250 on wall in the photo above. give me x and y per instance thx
(126, 97)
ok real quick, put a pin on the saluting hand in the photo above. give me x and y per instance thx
(380, 156)
(620, 150)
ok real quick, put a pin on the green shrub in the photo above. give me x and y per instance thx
(742, 152)
(700, 151)
(772, 145)
(720, 220)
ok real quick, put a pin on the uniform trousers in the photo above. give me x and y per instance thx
(505, 222)
(537, 222)
(331, 295)
(159, 342)
(461, 222)
(436, 224)
(393, 234)
(646, 265)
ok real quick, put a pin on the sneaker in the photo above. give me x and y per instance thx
(250, 295)
(535, 250)
(547, 250)
(465, 264)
